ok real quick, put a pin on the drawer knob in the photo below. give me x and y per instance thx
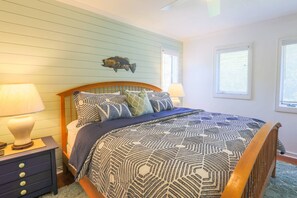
(22, 174)
(23, 192)
(23, 183)
(22, 165)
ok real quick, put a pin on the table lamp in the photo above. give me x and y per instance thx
(176, 91)
(17, 100)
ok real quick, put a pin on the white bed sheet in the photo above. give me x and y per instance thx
(72, 133)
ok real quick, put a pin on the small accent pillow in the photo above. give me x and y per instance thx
(160, 101)
(162, 105)
(86, 108)
(111, 111)
(139, 103)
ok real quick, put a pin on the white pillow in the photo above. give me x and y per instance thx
(72, 133)
(72, 125)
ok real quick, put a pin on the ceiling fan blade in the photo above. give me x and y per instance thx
(214, 7)
(173, 4)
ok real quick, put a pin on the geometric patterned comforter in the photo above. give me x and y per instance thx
(188, 155)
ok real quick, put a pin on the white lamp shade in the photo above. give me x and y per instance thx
(176, 90)
(19, 99)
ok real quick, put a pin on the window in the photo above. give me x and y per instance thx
(169, 68)
(233, 71)
(287, 76)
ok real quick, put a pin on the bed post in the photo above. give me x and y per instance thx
(63, 131)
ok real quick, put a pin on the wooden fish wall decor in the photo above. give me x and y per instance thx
(117, 62)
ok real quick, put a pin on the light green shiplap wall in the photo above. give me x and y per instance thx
(57, 47)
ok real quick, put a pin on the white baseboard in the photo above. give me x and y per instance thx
(291, 154)
(59, 169)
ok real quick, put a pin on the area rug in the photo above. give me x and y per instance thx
(72, 191)
(283, 186)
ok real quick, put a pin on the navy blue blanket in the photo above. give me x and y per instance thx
(89, 134)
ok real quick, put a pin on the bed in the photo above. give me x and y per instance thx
(248, 176)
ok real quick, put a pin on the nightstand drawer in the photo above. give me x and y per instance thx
(23, 164)
(24, 173)
(23, 183)
(27, 190)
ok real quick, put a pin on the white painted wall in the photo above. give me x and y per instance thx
(198, 74)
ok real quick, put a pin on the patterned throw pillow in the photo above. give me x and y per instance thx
(162, 105)
(86, 108)
(158, 95)
(139, 103)
(110, 111)
(160, 101)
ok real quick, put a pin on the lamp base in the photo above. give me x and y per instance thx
(3, 145)
(21, 128)
(176, 101)
(24, 146)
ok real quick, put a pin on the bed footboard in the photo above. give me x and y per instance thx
(256, 165)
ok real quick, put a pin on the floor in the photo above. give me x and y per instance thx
(66, 179)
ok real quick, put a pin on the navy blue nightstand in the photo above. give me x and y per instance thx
(29, 173)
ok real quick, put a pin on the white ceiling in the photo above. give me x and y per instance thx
(190, 19)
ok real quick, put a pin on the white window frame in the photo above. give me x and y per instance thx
(172, 53)
(278, 106)
(232, 48)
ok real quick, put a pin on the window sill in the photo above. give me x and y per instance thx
(233, 96)
(286, 109)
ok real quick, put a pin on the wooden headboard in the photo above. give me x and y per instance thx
(68, 111)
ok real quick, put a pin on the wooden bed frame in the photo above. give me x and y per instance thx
(251, 173)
